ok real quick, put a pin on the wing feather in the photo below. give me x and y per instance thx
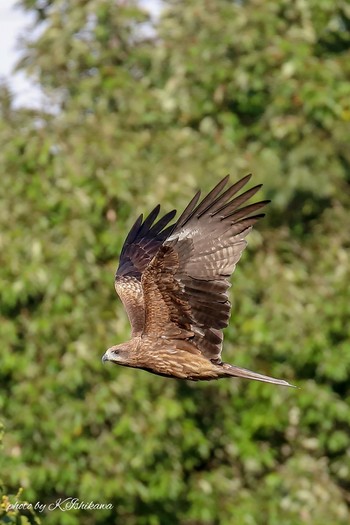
(185, 285)
(220, 201)
(142, 243)
(140, 246)
(167, 311)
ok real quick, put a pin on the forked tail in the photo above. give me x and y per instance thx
(235, 371)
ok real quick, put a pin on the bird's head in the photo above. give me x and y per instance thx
(119, 354)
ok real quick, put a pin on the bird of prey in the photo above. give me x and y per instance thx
(173, 281)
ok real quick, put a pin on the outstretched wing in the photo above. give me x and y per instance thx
(185, 285)
(140, 246)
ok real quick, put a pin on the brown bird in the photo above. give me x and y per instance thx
(173, 282)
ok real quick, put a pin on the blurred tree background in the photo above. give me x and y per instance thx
(144, 109)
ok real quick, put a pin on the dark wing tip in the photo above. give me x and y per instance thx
(143, 241)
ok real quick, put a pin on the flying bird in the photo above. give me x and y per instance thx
(173, 280)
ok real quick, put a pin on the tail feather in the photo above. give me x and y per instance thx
(236, 371)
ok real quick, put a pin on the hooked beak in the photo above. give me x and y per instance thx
(105, 357)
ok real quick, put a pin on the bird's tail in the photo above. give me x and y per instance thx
(235, 371)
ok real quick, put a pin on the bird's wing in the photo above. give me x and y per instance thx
(185, 285)
(140, 246)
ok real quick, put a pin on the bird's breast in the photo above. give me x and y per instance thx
(165, 358)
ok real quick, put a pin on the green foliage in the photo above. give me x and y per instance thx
(12, 508)
(146, 111)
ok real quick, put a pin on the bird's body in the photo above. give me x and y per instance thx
(169, 358)
(173, 282)
(178, 359)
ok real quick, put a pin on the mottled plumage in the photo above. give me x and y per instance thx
(173, 281)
